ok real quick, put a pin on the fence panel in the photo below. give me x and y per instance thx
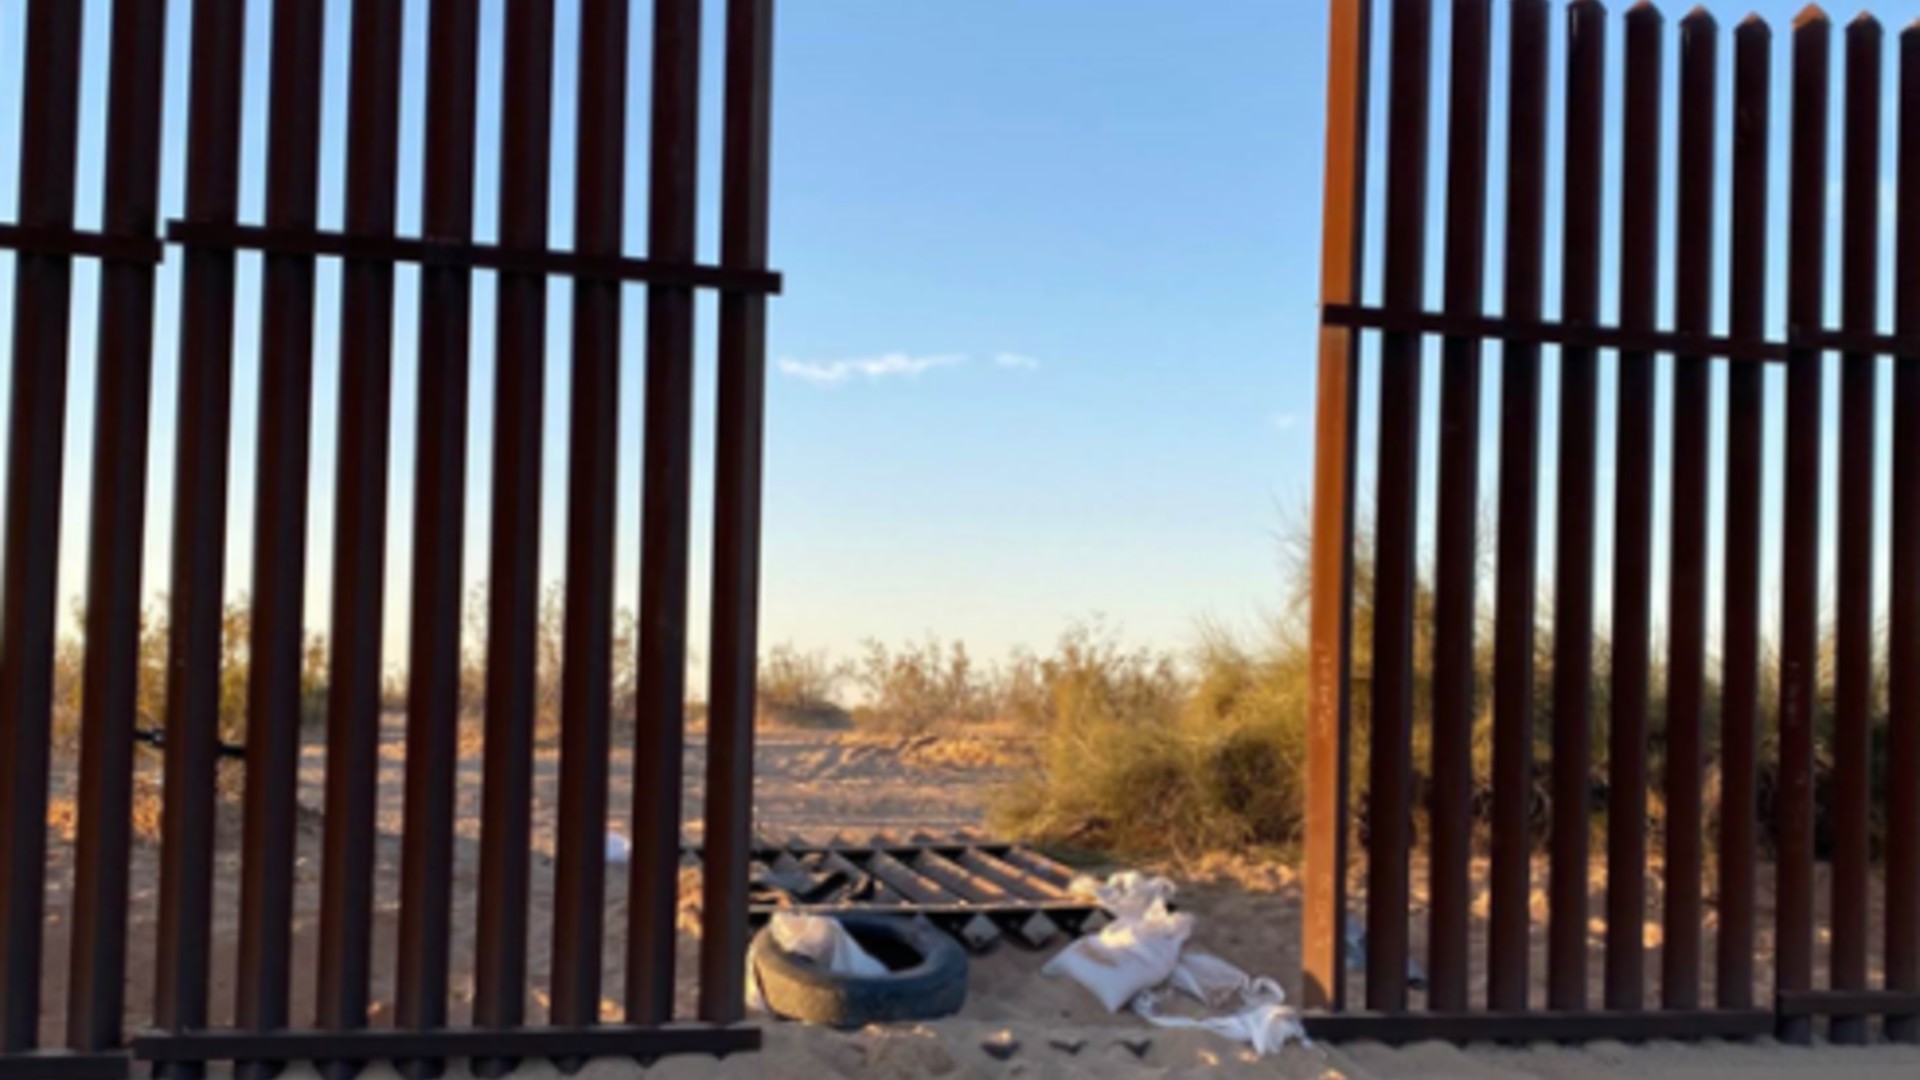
(1612, 686)
(104, 1033)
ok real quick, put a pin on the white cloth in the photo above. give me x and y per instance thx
(1126, 895)
(821, 940)
(1140, 958)
(825, 942)
(1247, 1010)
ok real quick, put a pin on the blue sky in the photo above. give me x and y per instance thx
(1105, 209)
(1046, 349)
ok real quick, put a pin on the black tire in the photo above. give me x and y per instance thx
(926, 977)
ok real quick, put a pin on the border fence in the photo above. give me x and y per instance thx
(1680, 343)
(130, 247)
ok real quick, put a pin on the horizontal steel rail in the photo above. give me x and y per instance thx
(64, 1065)
(467, 255)
(1411, 1027)
(1573, 335)
(36, 240)
(607, 1040)
(424, 251)
(1848, 1003)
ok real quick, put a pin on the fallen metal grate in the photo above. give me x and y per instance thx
(980, 891)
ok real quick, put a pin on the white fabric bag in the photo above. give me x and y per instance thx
(821, 940)
(825, 942)
(1140, 957)
(1129, 956)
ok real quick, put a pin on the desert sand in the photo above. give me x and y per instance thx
(819, 783)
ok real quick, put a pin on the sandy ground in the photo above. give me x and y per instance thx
(809, 783)
(953, 1049)
(817, 783)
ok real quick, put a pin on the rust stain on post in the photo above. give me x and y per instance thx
(1323, 962)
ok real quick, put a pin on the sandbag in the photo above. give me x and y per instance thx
(1139, 961)
(1129, 956)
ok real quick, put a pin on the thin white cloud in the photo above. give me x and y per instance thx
(876, 367)
(889, 365)
(1286, 421)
